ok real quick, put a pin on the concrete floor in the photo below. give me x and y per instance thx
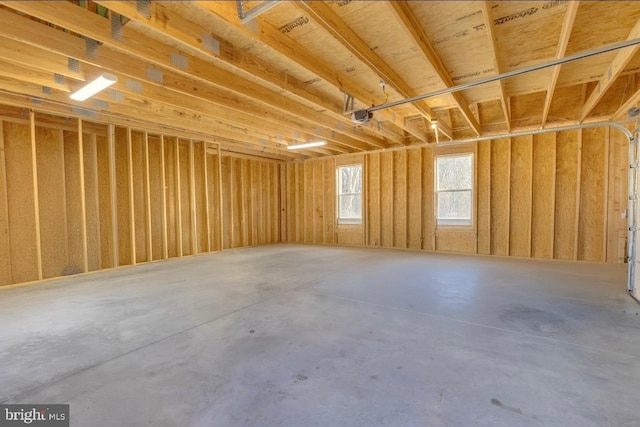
(289, 335)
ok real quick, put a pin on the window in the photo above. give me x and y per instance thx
(454, 189)
(349, 181)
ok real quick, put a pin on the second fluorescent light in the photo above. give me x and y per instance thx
(99, 84)
(307, 145)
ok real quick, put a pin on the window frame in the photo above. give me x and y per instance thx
(349, 221)
(455, 152)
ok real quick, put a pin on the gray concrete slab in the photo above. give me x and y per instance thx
(294, 335)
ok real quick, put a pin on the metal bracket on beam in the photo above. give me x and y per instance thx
(255, 11)
(348, 103)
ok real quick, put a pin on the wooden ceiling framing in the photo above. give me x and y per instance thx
(281, 78)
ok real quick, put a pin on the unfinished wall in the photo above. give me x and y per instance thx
(77, 196)
(558, 195)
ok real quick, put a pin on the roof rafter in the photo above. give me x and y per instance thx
(189, 35)
(73, 18)
(286, 46)
(563, 42)
(614, 70)
(55, 47)
(486, 13)
(324, 16)
(415, 30)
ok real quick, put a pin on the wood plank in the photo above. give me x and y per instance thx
(520, 208)
(543, 200)
(178, 197)
(132, 210)
(205, 178)
(157, 198)
(83, 199)
(67, 170)
(220, 199)
(96, 244)
(36, 203)
(115, 239)
(147, 196)
(318, 201)
(165, 225)
(5, 241)
(138, 196)
(192, 201)
(329, 218)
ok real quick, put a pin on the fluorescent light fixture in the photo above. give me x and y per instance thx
(434, 124)
(101, 83)
(307, 145)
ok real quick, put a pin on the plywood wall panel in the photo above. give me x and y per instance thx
(592, 195)
(386, 197)
(373, 199)
(122, 198)
(414, 198)
(428, 219)
(500, 196)
(214, 197)
(104, 201)
(543, 202)
(566, 194)
(200, 198)
(72, 192)
(22, 225)
(617, 197)
(185, 198)
(171, 196)
(53, 216)
(329, 216)
(399, 199)
(5, 243)
(254, 186)
(308, 201)
(520, 209)
(318, 201)
(483, 167)
(139, 177)
(92, 202)
(274, 204)
(156, 189)
(290, 182)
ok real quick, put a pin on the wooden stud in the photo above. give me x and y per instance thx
(205, 177)
(5, 203)
(36, 202)
(284, 213)
(220, 212)
(178, 201)
(132, 213)
(192, 200)
(83, 200)
(578, 197)
(605, 203)
(147, 196)
(165, 244)
(113, 195)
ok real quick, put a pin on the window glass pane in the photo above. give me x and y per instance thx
(350, 206)
(454, 205)
(349, 194)
(454, 172)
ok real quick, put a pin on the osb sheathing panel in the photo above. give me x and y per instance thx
(500, 196)
(236, 203)
(329, 217)
(567, 104)
(491, 113)
(483, 171)
(567, 155)
(122, 202)
(171, 196)
(520, 218)
(428, 226)
(51, 186)
(386, 199)
(139, 178)
(399, 180)
(308, 201)
(104, 202)
(214, 201)
(22, 225)
(156, 189)
(617, 196)
(615, 97)
(592, 195)
(373, 199)
(414, 198)
(526, 110)
(543, 208)
(92, 201)
(5, 244)
(318, 200)
(185, 199)
(73, 192)
(456, 241)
